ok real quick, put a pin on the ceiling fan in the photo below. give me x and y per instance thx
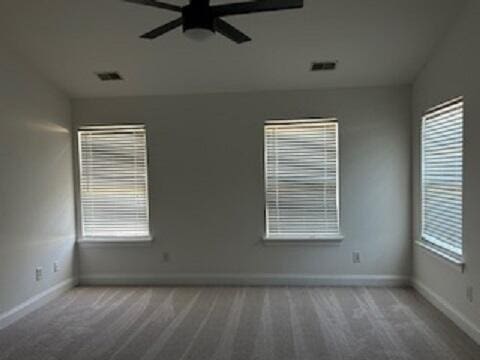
(200, 19)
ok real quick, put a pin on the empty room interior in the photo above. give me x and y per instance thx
(240, 180)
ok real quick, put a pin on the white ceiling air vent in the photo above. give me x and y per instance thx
(324, 66)
(109, 76)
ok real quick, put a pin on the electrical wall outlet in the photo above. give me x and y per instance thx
(56, 267)
(166, 257)
(470, 294)
(38, 274)
(356, 257)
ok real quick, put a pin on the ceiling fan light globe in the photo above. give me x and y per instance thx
(199, 34)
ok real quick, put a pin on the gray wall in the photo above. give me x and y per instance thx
(36, 188)
(451, 72)
(206, 184)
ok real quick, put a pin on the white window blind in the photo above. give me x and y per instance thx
(113, 181)
(301, 179)
(442, 178)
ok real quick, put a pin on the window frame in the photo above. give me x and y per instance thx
(320, 238)
(108, 240)
(425, 240)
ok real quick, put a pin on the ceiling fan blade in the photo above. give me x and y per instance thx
(230, 32)
(255, 6)
(163, 29)
(156, 4)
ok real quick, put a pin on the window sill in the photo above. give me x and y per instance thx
(455, 263)
(323, 240)
(115, 241)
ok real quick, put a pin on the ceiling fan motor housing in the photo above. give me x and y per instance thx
(198, 15)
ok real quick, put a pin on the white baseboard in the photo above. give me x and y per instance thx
(35, 302)
(245, 279)
(440, 303)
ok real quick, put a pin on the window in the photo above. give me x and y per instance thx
(113, 182)
(301, 179)
(442, 178)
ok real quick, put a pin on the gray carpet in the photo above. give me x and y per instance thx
(241, 323)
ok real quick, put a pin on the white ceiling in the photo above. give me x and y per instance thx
(377, 42)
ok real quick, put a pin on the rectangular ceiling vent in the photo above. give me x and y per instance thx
(324, 66)
(109, 76)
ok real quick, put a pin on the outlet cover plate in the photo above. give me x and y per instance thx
(38, 274)
(470, 293)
